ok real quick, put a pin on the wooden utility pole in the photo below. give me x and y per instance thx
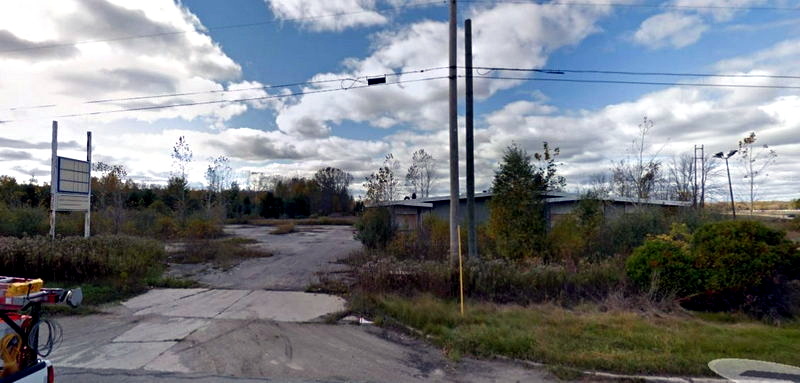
(454, 198)
(472, 244)
(87, 222)
(53, 180)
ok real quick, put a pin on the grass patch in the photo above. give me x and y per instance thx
(586, 338)
(341, 221)
(285, 228)
(224, 252)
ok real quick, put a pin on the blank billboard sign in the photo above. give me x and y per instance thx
(73, 176)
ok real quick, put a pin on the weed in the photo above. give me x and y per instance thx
(285, 228)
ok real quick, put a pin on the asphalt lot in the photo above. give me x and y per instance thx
(254, 323)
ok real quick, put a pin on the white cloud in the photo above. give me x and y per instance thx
(328, 15)
(521, 35)
(672, 29)
(43, 66)
(686, 21)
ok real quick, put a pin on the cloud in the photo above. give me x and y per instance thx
(329, 15)
(15, 47)
(521, 35)
(687, 22)
(22, 144)
(675, 30)
(177, 57)
(14, 155)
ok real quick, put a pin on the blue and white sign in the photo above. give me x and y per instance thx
(73, 176)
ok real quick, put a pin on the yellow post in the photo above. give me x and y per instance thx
(460, 272)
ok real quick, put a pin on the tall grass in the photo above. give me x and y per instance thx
(77, 259)
(587, 337)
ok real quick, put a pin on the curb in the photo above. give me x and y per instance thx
(608, 375)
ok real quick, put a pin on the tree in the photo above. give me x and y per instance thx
(421, 173)
(756, 161)
(382, 185)
(110, 190)
(547, 168)
(681, 178)
(181, 157)
(332, 189)
(517, 215)
(218, 176)
(637, 178)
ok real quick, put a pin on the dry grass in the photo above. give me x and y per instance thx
(342, 221)
(593, 337)
(285, 228)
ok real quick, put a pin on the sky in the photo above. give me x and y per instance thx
(279, 86)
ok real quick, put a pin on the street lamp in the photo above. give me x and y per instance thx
(730, 186)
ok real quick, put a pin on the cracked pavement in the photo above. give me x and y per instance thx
(253, 326)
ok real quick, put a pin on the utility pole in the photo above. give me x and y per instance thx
(87, 219)
(702, 176)
(472, 244)
(454, 198)
(53, 179)
(694, 178)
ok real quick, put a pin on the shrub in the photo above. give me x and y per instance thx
(78, 259)
(374, 228)
(202, 228)
(23, 221)
(724, 265)
(742, 254)
(430, 241)
(664, 265)
(285, 228)
(625, 232)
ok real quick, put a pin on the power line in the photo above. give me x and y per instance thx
(277, 96)
(639, 82)
(341, 80)
(634, 5)
(221, 27)
(633, 73)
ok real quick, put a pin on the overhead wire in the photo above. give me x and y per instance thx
(341, 80)
(631, 73)
(664, 83)
(259, 98)
(638, 5)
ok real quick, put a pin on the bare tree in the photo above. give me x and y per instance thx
(421, 173)
(756, 160)
(639, 177)
(218, 176)
(599, 185)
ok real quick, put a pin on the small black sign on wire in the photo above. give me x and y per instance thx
(376, 80)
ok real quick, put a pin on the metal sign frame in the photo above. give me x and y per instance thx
(79, 176)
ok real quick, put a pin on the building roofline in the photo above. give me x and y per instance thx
(552, 196)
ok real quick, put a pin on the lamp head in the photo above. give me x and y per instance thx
(732, 152)
(719, 155)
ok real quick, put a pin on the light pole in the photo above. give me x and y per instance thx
(728, 169)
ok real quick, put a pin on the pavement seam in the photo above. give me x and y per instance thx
(249, 292)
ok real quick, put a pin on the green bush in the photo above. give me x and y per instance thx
(724, 265)
(665, 265)
(742, 254)
(374, 228)
(202, 228)
(77, 259)
(22, 221)
(430, 241)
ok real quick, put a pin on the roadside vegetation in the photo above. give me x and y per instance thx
(647, 290)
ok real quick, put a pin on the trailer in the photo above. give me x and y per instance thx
(21, 301)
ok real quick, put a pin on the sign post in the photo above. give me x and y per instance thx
(70, 184)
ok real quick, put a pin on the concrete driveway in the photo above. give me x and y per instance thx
(251, 327)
